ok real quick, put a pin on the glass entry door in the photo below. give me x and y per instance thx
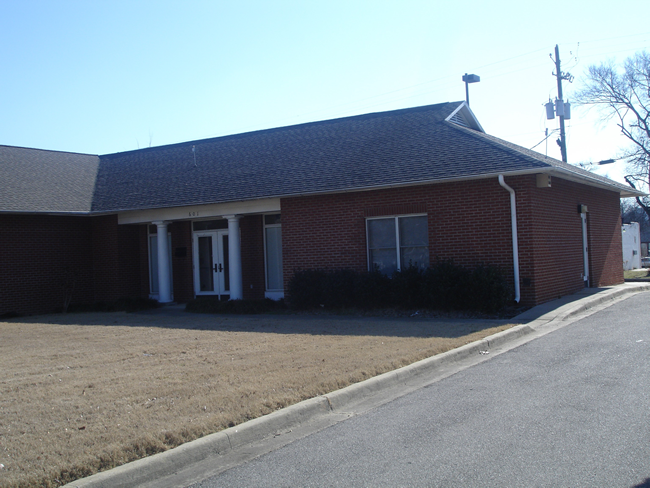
(211, 270)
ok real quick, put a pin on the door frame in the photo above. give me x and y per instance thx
(219, 266)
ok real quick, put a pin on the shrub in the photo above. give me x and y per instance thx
(373, 290)
(407, 288)
(445, 286)
(442, 286)
(488, 290)
(305, 288)
(338, 288)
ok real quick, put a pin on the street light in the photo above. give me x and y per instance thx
(469, 79)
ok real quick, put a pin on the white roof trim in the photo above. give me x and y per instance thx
(464, 111)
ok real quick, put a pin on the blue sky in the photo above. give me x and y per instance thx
(108, 76)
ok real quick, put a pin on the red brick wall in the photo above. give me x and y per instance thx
(469, 222)
(252, 256)
(143, 240)
(182, 265)
(37, 255)
(551, 238)
(116, 259)
(106, 253)
(129, 260)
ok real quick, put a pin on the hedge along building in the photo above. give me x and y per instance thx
(235, 216)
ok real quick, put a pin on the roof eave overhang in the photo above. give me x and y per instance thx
(327, 192)
(554, 171)
(571, 176)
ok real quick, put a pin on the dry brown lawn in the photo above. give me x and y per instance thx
(80, 393)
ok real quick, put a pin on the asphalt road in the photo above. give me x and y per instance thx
(571, 408)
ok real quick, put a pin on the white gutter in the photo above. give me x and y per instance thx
(515, 244)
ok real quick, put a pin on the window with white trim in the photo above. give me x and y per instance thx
(273, 252)
(395, 243)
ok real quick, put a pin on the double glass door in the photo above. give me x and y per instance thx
(211, 270)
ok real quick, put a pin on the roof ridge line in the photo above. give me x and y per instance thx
(285, 127)
(48, 150)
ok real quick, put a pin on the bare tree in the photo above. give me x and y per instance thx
(622, 93)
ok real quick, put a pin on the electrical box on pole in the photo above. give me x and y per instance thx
(562, 109)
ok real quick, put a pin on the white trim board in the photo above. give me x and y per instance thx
(268, 205)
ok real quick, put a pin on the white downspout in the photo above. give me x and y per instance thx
(585, 249)
(515, 244)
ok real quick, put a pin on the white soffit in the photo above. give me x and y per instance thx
(199, 211)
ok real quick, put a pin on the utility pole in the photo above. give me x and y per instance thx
(560, 101)
(558, 73)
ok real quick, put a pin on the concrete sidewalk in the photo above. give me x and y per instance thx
(217, 452)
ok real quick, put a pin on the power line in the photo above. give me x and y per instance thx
(359, 103)
(549, 135)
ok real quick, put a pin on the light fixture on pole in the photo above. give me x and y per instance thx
(469, 79)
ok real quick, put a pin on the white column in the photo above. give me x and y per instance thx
(164, 285)
(234, 258)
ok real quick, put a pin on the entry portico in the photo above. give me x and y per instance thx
(216, 245)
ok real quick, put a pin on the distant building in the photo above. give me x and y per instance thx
(631, 235)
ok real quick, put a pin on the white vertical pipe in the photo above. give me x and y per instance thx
(234, 258)
(164, 283)
(515, 242)
(585, 252)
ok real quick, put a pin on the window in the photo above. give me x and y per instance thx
(395, 243)
(273, 253)
(198, 225)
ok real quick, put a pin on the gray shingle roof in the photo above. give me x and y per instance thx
(554, 165)
(33, 180)
(381, 149)
(401, 147)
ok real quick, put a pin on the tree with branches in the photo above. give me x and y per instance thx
(622, 94)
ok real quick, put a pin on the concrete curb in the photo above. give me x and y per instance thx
(169, 462)
(615, 293)
(340, 399)
(568, 307)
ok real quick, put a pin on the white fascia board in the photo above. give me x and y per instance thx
(199, 211)
(558, 173)
(585, 180)
(467, 113)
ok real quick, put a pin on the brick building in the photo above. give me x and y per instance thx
(234, 216)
